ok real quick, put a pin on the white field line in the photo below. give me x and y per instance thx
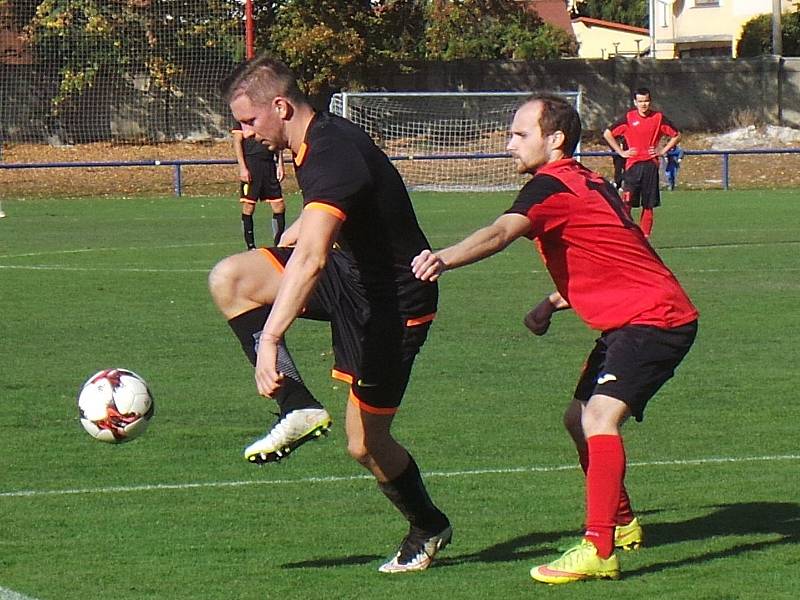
(335, 479)
(100, 269)
(7, 594)
(114, 249)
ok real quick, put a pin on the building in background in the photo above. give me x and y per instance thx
(604, 39)
(690, 28)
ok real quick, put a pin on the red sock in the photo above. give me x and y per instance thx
(626, 202)
(603, 487)
(625, 512)
(646, 221)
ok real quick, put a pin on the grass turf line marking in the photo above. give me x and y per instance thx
(99, 269)
(334, 479)
(7, 594)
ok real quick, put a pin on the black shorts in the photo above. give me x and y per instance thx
(640, 182)
(263, 185)
(633, 362)
(374, 342)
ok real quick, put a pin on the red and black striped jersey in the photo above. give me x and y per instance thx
(598, 257)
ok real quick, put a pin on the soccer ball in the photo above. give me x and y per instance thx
(115, 405)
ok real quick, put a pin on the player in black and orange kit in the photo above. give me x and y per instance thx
(642, 129)
(349, 265)
(260, 174)
(607, 272)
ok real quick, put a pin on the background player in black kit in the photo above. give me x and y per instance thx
(378, 311)
(260, 174)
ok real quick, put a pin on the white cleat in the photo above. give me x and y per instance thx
(290, 432)
(417, 551)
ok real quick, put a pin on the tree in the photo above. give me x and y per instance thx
(83, 39)
(490, 30)
(630, 12)
(757, 35)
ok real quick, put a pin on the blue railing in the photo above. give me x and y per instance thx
(176, 165)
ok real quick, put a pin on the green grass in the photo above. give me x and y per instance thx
(94, 283)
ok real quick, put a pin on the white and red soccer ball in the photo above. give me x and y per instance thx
(115, 405)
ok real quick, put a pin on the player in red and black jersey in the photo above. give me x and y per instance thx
(260, 174)
(642, 129)
(607, 272)
(345, 260)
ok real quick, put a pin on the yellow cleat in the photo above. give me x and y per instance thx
(576, 564)
(630, 536)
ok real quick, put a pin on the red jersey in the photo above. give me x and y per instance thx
(642, 133)
(598, 257)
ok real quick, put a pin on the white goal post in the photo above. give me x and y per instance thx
(442, 141)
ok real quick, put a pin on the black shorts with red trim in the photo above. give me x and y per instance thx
(633, 362)
(263, 186)
(374, 341)
(640, 183)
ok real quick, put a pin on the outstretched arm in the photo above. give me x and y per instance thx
(428, 266)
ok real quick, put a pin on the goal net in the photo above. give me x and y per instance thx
(442, 141)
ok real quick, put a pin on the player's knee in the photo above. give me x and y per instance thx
(222, 279)
(359, 451)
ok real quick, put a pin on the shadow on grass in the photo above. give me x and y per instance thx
(760, 518)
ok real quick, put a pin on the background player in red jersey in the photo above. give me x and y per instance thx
(260, 174)
(607, 272)
(642, 129)
(379, 313)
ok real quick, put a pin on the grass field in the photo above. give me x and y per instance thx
(93, 283)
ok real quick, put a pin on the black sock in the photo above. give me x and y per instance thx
(407, 492)
(278, 226)
(293, 393)
(247, 229)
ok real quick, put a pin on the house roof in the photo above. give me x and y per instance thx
(553, 12)
(590, 22)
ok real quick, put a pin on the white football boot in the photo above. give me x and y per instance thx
(292, 431)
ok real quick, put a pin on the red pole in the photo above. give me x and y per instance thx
(249, 37)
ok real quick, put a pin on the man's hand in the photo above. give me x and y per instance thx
(427, 266)
(268, 378)
(244, 174)
(538, 318)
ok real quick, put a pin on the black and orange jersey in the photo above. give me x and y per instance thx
(341, 170)
(642, 133)
(256, 154)
(598, 258)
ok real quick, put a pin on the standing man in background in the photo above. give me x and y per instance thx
(642, 129)
(260, 174)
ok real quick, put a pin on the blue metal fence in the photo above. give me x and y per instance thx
(177, 164)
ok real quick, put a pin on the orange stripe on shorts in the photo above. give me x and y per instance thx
(272, 259)
(373, 410)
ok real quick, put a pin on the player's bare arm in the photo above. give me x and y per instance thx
(539, 317)
(614, 144)
(317, 234)
(289, 237)
(280, 168)
(428, 266)
(671, 143)
(238, 149)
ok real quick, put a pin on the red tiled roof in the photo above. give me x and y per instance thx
(588, 21)
(553, 12)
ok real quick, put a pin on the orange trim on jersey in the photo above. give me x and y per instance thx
(420, 320)
(301, 155)
(373, 410)
(331, 210)
(341, 376)
(273, 259)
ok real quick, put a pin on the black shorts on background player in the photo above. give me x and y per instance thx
(641, 181)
